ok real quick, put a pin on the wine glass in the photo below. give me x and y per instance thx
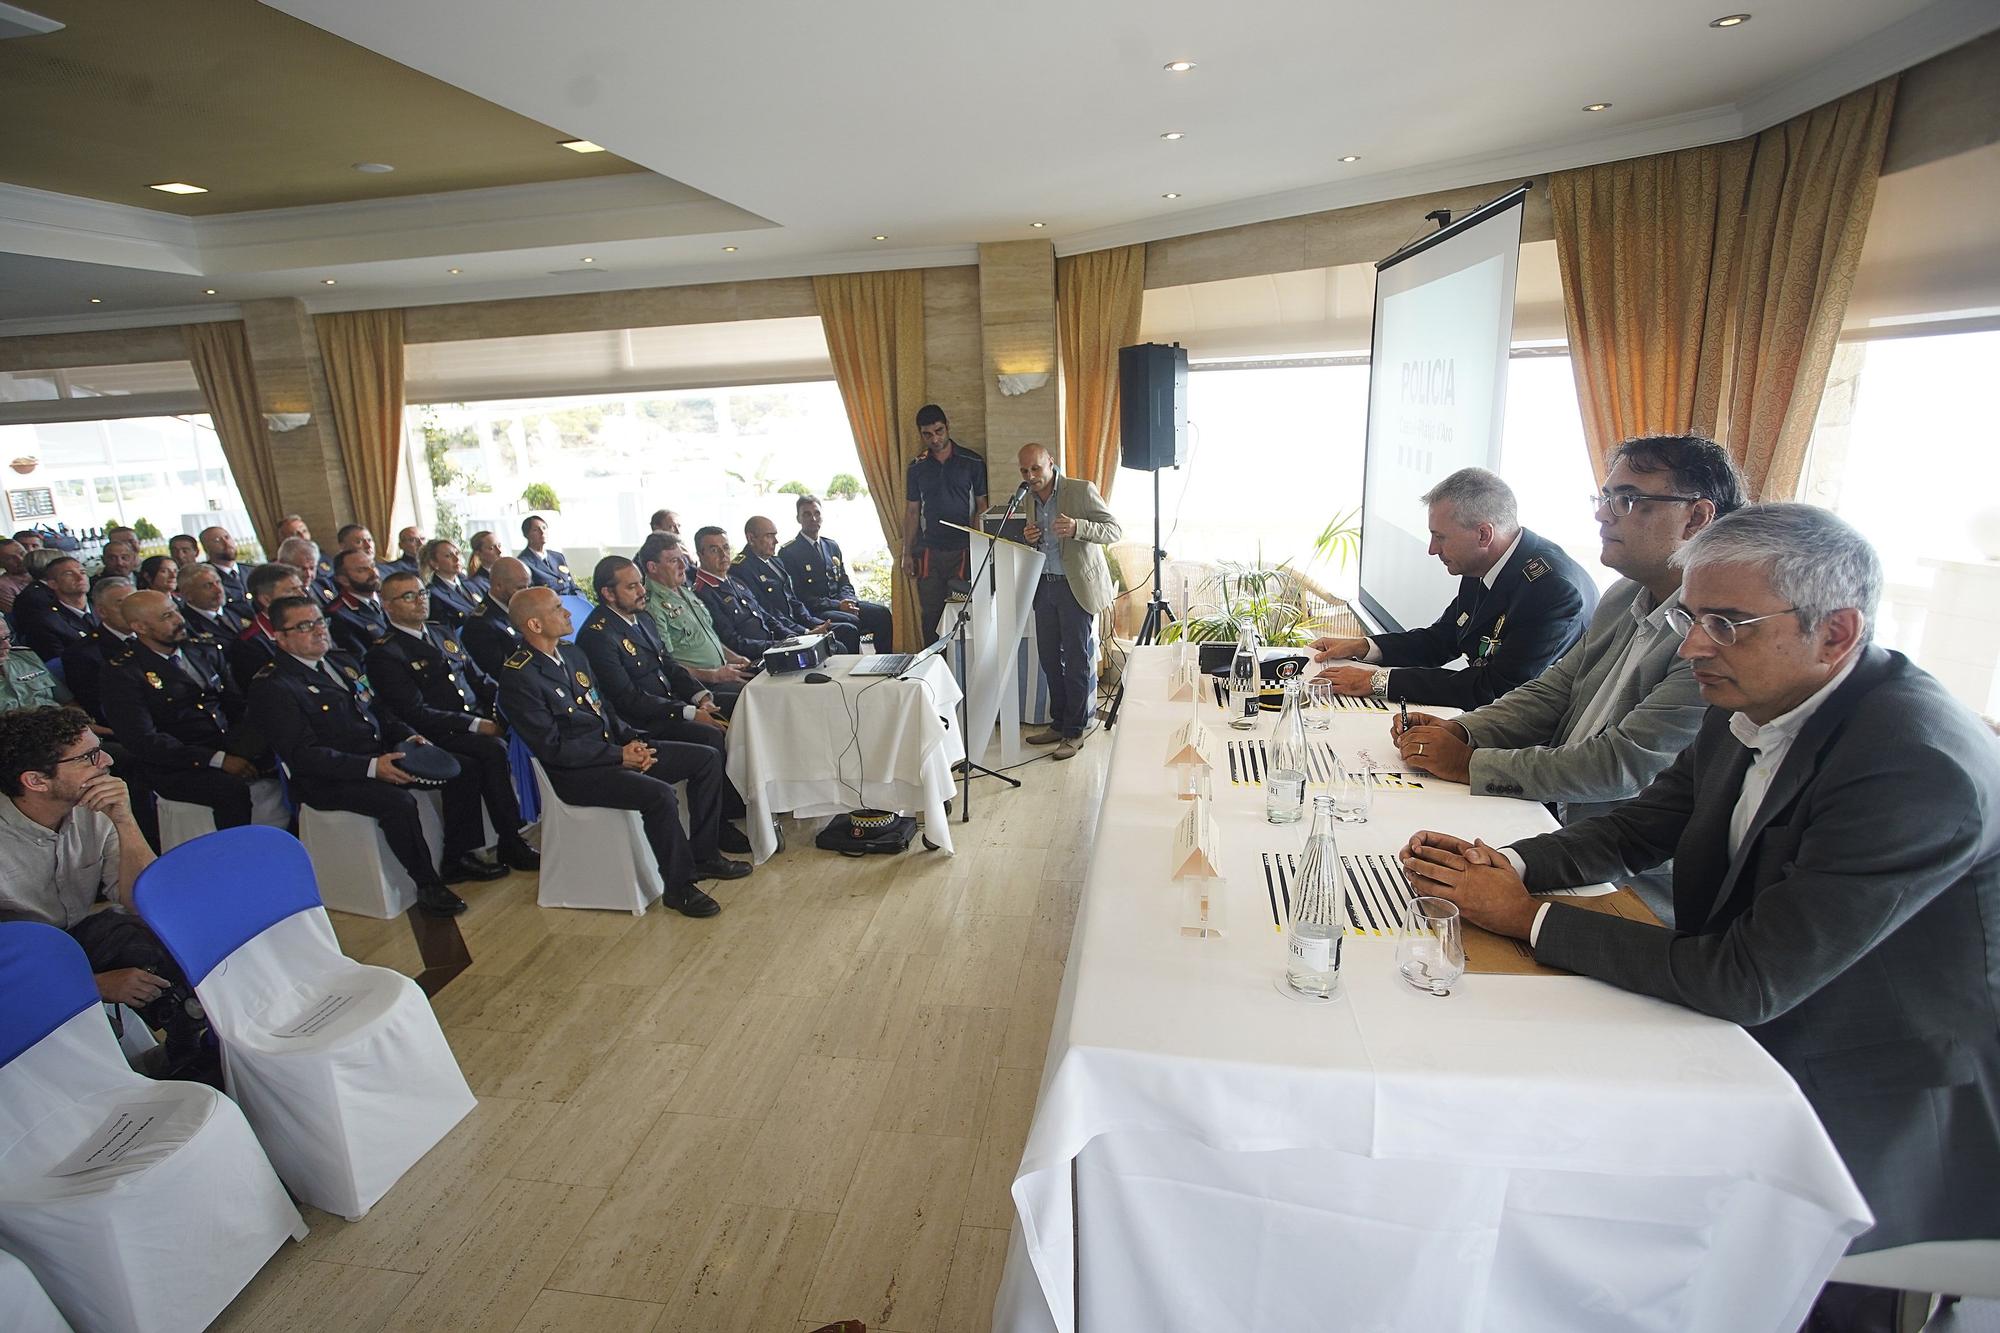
(1319, 703)
(1353, 793)
(1430, 949)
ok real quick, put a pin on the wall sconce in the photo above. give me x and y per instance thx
(280, 422)
(1013, 386)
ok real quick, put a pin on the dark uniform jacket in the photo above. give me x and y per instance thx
(740, 620)
(250, 654)
(558, 711)
(84, 663)
(452, 607)
(217, 631)
(819, 574)
(490, 637)
(1536, 608)
(773, 588)
(355, 625)
(550, 569)
(430, 683)
(235, 583)
(325, 728)
(634, 670)
(46, 626)
(171, 712)
(385, 568)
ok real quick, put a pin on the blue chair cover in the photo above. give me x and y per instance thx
(55, 666)
(208, 897)
(520, 763)
(579, 611)
(44, 982)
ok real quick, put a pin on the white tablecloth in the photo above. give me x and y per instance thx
(1529, 1153)
(800, 749)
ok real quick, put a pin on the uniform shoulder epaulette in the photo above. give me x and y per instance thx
(265, 670)
(741, 556)
(519, 660)
(381, 637)
(1534, 569)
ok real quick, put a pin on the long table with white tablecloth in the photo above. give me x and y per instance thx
(1527, 1153)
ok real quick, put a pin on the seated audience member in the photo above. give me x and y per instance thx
(486, 553)
(85, 660)
(759, 569)
(666, 520)
(819, 575)
(210, 619)
(1835, 833)
(548, 568)
(423, 676)
(174, 707)
(453, 598)
(55, 612)
(30, 539)
(159, 573)
(739, 617)
(354, 537)
(220, 548)
(122, 532)
(683, 623)
(410, 545)
(120, 560)
(320, 715)
(290, 526)
(303, 557)
(185, 550)
(592, 758)
(356, 615)
(25, 680)
(1615, 709)
(257, 642)
(635, 673)
(13, 572)
(489, 635)
(68, 841)
(1521, 603)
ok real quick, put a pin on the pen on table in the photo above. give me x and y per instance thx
(1270, 888)
(1232, 760)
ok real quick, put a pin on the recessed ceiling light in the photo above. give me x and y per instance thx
(1178, 66)
(373, 168)
(1038, 225)
(588, 260)
(729, 249)
(208, 291)
(1174, 134)
(1598, 106)
(583, 146)
(328, 281)
(178, 187)
(881, 238)
(97, 300)
(1351, 157)
(453, 271)
(1171, 194)
(1729, 21)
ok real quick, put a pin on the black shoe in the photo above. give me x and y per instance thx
(437, 900)
(460, 869)
(520, 856)
(720, 867)
(732, 839)
(693, 902)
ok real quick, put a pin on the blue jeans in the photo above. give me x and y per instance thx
(1066, 638)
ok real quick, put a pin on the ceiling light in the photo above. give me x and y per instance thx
(328, 281)
(1170, 195)
(1729, 21)
(373, 168)
(583, 146)
(178, 187)
(729, 249)
(208, 291)
(1174, 134)
(1179, 66)
(1038, 225)
(588, 260)
(453, 271)
(97, 300)
(881, 238)
(1351, 157)
(1598, 106)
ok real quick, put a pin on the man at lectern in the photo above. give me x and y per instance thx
(946, 484)
(1068, 520)
(1521, 603)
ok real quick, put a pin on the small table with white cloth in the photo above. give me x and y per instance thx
(1529, 1152)
(819, 749)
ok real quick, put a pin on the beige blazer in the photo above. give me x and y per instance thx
(1083, 559)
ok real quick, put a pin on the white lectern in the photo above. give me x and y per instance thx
(1002, 599)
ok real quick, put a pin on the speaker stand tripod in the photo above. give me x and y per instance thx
(1158, 614)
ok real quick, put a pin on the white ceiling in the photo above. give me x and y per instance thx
(804, 131)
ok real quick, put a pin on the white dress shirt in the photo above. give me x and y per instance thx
(1374, 654)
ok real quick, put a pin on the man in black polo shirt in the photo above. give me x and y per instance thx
(947, 484)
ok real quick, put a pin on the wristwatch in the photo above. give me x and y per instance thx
(1380, 689)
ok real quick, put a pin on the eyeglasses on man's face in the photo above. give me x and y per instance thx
(1720, 629)
(413, 595)
(1621, 503)
(317, 625)
(90, 756)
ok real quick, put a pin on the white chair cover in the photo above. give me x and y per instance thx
(346, 1110)
(353, 864)
(1944, 1267)
(594, 857)
(162, 1239)
(184, 821)
(28, 1307)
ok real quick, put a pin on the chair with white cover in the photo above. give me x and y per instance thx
(28, 1307)
(341, 1067)
(594, 857)
(184, 821)
(1944, 1267)
(357, 871)
(162, 1231)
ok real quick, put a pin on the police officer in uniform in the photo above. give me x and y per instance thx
(357, 617)
(488, 634)
(175, 708)
(819, 575)
(454, 598)
(54, 612)
(740, 619)
(760, 568)
(257, 645)
(424, 677)
(549, 569)
(650, 690)
(593, 759)
(1521, 603)
(85, 660)
(318, 711)
(209, 617)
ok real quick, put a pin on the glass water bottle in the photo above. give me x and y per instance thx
(1285, 780)
(1319, 911)
(1245, 678)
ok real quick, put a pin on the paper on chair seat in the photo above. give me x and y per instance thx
(317, 1017)
(129, 1127)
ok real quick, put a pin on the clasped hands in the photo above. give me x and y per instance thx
(1063, 526)
(1475, 876)
(638, 755)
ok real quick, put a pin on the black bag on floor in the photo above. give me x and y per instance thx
(891, 836)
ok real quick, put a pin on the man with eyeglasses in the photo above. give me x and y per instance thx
(1615, 709)
(1521, 603)
(356, 616)
(431, 684)
(319, 713)
(1835, 833)
(69, 843)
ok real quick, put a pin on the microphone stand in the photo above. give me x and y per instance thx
(968, 770)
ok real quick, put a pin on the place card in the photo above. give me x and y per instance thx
(1189, 744)
(1183, 681)
(1197, 846)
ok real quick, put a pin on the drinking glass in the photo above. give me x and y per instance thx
(1193, 782)
(1353, 793)
(1319, 703)
(1430, 951)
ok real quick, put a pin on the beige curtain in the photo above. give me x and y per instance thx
(875, 332)
(1098, 296)
(1704, 289)
(363, 354)
(220, 354)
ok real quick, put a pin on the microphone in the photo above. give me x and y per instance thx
(1020, 494)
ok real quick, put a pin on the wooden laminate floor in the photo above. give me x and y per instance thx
(808, 1108)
